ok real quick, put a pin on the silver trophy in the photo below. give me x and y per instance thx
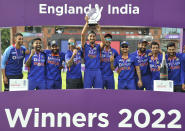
(94, 15)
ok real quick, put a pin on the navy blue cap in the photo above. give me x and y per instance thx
(124, 43)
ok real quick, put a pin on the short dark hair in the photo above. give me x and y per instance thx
(35, 40)
(171, 44)
(18, 34)
(154, 43)
(91, 32)
(108, 35)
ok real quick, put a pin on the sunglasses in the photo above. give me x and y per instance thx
(108, 39)
(71, 43)
(124, 46)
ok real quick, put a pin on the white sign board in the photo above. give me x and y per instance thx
(163, 85)
(18, 85)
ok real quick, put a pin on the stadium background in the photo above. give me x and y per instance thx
(132, 34)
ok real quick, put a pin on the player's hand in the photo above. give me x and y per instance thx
(75, 52)
(150, 54)
(32, 52)
(183, 87)
(98, 28)
(61, 67)
(118, 71)
(5, 80)
(112, 58)
(86, 19)
(140, 83)
(41, 50)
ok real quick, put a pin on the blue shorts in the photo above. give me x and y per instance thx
(41, 85)
(108, 82)
(127, 84)
(147, 82)
(92, 78)
(54, 84)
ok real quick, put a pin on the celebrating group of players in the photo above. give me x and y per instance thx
(136, 70)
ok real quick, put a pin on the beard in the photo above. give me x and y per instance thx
(55, 51)
(142, 49)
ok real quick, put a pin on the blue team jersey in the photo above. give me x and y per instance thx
(37, 69)
(105, 65)
(53, 64)
(143, 62)
(126, 66)
(74, 71)
(92, 56)
(12, 60)
(183, 68)
(155, 63)
(174, 68)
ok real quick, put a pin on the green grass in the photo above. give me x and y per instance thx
(63, 74)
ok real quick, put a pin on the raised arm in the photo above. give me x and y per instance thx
(28, 62)
(98, 28)
(84, 32)
(112, 62)
(70, 60)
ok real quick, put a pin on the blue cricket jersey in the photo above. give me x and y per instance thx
(127, 67)
(143, 62)
(12, 60)
(74, 71)
(53, 64)
(155, 63)
(37, 70)
(183, 68)
(92, 56)
(174, 68)
(105, 65)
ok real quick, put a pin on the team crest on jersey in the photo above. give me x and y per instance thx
(128, 60)
(177, 59)
(95, 48)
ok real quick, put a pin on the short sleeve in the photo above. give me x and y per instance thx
(67, 56)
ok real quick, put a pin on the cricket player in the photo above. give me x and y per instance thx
(183, 70)
(73, 59)
(127, 68)
(12, 61)
(92, 76)
(155, 62)
(142, 57)
(36, 62)
(106, 53)
(54, 66)
(174, 61)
